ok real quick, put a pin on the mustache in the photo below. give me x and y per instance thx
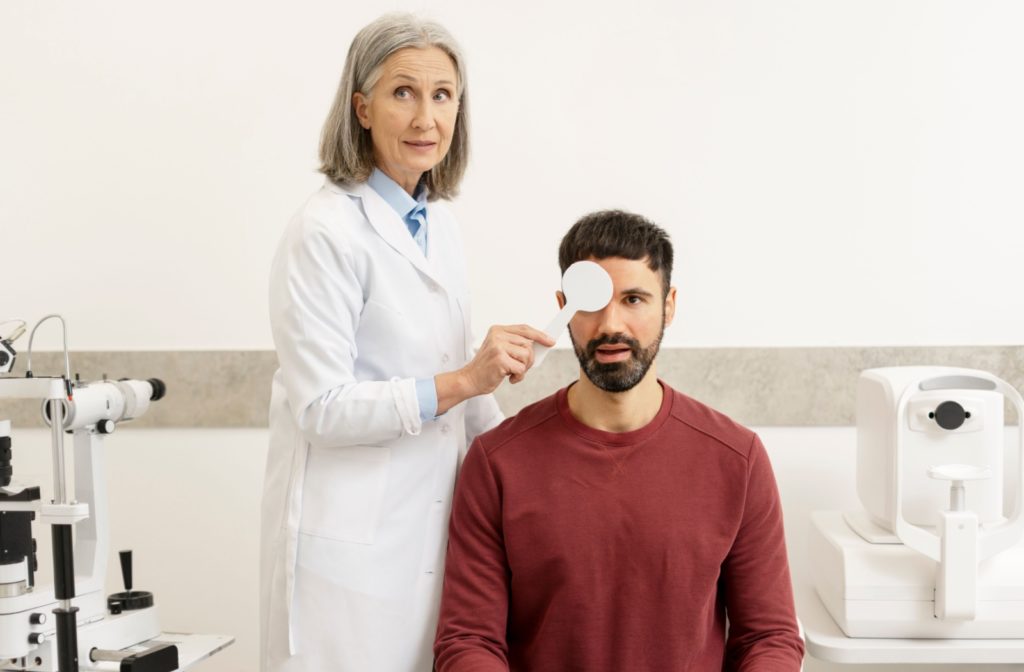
(612, 339)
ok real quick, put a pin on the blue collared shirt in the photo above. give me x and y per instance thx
(413, 212)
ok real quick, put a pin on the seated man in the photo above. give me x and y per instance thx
(617, 525)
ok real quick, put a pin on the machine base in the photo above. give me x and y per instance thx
(110, 632)
(887, 590)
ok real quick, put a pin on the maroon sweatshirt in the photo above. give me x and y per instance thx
(572, 548)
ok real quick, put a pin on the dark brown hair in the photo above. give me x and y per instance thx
(616, 233)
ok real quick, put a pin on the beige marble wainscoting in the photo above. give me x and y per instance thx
(756, 386)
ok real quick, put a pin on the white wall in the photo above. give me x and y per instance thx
(833, 173)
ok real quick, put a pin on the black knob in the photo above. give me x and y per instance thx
(105, 426)
(36, 638)
(950, 415)
(6, 470)
(37, 619)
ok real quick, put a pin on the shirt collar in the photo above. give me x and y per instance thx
(398, 198)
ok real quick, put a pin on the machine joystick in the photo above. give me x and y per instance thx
(129, 599)
(126, 569)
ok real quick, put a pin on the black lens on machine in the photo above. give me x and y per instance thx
(159, 389)
(950, 415)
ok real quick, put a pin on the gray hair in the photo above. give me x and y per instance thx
(346, 148)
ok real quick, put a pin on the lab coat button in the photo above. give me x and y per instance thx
(446, 428)
(445, 358)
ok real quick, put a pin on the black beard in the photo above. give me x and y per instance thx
(617, 376)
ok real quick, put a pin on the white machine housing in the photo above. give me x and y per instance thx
(978, 442)
(924, 559)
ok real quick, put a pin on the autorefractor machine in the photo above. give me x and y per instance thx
(71, 625)
(937, 550)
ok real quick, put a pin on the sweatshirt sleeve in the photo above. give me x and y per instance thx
(763, 633)
(474, 603)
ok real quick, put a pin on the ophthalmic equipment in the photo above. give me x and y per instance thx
(88, 631)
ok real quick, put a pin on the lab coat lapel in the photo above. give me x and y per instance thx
(389, 226)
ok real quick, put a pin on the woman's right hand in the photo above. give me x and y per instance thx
(507, 352)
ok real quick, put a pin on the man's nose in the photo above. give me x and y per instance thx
(610, 319)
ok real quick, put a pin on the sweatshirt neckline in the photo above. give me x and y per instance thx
(616, 438)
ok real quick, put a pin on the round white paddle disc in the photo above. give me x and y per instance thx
(586, 287)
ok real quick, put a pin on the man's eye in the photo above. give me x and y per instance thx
(634, 299)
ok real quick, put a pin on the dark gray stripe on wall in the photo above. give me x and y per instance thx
(756, 386)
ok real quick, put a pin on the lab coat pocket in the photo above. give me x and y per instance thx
(343, 492)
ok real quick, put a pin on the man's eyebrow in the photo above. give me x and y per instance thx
(637, 291)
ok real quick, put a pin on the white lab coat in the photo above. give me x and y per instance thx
(358, 489)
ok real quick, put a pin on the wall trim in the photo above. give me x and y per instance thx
(755, 386)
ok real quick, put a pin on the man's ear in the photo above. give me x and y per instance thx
(560, 297)
(670, 306)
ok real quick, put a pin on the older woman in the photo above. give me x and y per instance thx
(370, 316)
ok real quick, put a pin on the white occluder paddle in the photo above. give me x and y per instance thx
(586, 287)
